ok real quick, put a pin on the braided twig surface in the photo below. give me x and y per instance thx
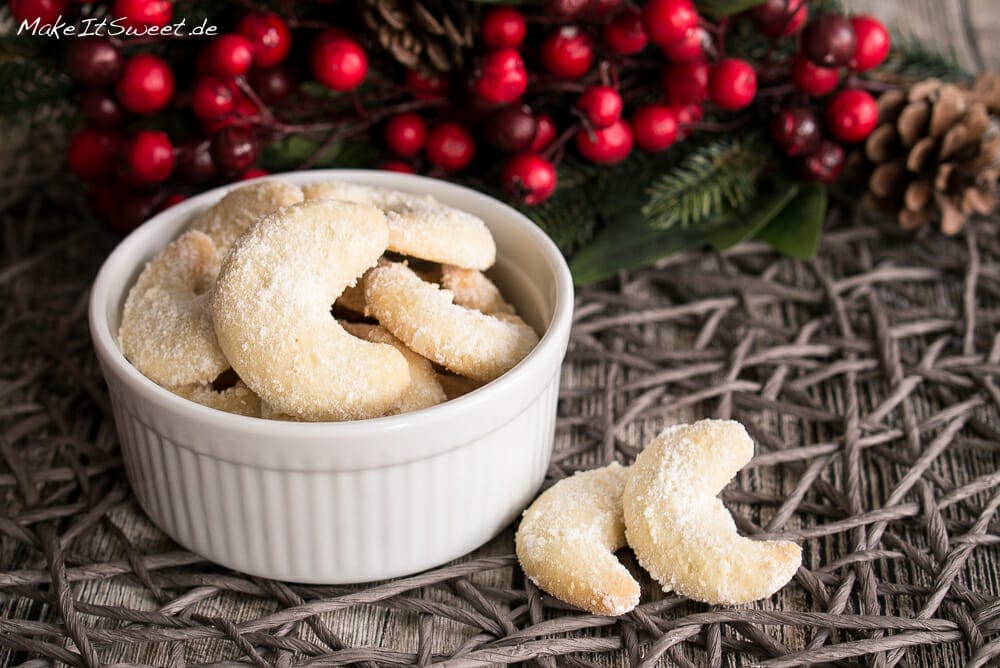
(867, 377)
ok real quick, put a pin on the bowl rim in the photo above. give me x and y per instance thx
(138, 243)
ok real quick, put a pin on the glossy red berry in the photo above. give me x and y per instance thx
(91, 153)
(502, 77)
(599, 9)
(212, 98)
(872, 43)
(796, 131)
(339, 63)
(686, 83)
(829, 40)
(45, 11)
(655, 127)
(813, 79)
(625, 34)
(545, 133)
(138, 14)
(269, 37)
(94, 61)
(668, 20)
(608, 146)
(690, 48)
(600, 105)
(825, 163)
(564, 8)
(230, 56)
(253, 173)
(100, 109)
(451, 147)
(234, 149)
(732, 84)
(686, 115)
(529, 178)
(426, 86)
(512, 129)
(397, 166)
(567, 52)
(851, 115)
(149, 156)
(780, 18)
(273, 84)
(405, 134)
(503, 28)
(194, 162)
(128, 209)
(146, 84)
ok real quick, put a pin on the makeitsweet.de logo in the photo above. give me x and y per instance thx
(106, 26)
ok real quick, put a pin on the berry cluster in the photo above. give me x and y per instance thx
(601, 78)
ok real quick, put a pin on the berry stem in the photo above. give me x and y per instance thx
(559, 142)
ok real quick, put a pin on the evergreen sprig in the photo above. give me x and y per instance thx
(913, 60)
(27, 86)
(712, 179)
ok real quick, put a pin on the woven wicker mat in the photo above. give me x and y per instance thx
(867, 378)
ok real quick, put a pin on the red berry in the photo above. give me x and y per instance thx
(91, 153)
(427, 86)
(253, 173)
(502, 78)
(545, 133)
(169, 201)
(194, 162)
(101, 109)
(598, 9)
(625, 34)
(94, 61)
(406, 134)
(564, 8)
(529, 178)
(339, 63)
(796, 131)
(732, 84)
(212, 99)
(655, 127)
(269, 38)
(451, 147)
(129, 209)
(138, 14)
(686, 83)
(689, 49)
(608, 146)
(813, 79)
(149, 156)
(668, 20)
(829, 40)
(503, 28)
(230, 56)
(780, 18)
(601, 106)
(397, 166)
(873, 43)
(234, 149)
(273, 84)
(46, 11)
(567, 52)
(512, 129)
(686, 115)
(851, 115)
(146, 84)
(825, 163)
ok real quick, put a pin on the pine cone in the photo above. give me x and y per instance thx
(428, 35)
(936, 153)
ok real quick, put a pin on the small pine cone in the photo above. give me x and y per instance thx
(936, 153)
(433, 36)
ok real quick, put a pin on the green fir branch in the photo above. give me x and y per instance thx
(910, 58)
(27, 86)
(711, 180)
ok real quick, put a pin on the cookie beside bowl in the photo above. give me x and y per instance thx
(347, 501)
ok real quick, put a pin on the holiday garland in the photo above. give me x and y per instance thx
(625, 131)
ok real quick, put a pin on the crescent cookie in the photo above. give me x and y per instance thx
(679, 529)
(271, 311)
(420, 226)
(472, 289)
(166, 330)
(420, 314)
(568, 537)
(238, 399)
(233, 215)
(424, 389)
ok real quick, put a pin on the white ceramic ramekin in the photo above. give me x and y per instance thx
(351, 501)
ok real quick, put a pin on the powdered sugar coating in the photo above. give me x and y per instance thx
(271, 311)
(419, 225)
(233, 215)
(424, 389)
(679, 529)
(166, 330)
(238, 399)
(472, 289)
(472, 344)
(567, 540)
